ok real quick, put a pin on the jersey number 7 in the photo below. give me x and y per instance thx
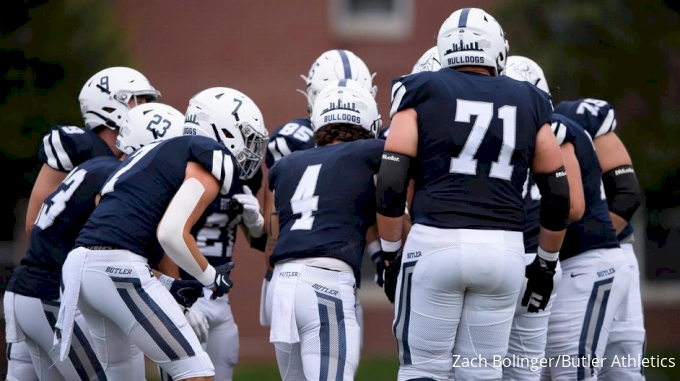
(466, 163)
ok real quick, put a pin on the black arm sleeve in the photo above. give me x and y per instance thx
(555, 201)
(392, 183)
(623, 191)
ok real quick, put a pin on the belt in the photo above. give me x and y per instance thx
(102, 247)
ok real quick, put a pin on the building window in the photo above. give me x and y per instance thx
(374, 19)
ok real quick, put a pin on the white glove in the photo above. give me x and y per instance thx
(252, 217)
(198, 322)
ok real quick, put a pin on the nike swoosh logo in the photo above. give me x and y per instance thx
(575, 275)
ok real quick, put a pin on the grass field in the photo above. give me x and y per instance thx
(385, 369)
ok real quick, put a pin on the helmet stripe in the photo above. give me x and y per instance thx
(462, 21)
(345, 63)
(343, 83)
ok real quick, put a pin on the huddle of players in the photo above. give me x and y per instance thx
(464, 286)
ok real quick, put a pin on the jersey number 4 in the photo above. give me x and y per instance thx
(304, 202)
(466, 163)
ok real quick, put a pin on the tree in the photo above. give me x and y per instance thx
(623, 51)
(48, 50)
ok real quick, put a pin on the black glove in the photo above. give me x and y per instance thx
(222, 282)
(539, 285)
(379, 268)
(186, 292)
(390, 275)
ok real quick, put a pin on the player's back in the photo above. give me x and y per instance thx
(136, 196)
(297, 135)
(66, 147)
(61, 217)
(325, 198)
(594, 230)
(476, 142)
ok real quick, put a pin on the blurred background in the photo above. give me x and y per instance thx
(623, 51)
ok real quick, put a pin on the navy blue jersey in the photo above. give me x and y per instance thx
(297, 135)
(532, 208)
(136, 196)
(66, 147)
(594, 230)
(476, 142)
(325, 198)
(61, 217)
(597, 117)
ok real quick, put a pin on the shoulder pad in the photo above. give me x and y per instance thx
(596, 116)
(65, 147)
(408, 91)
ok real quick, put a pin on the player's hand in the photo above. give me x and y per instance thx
(222, 282)
(186, 292)
(198, 322)
(540, 274)
(379, 268)
(252, 217)
(390, 277)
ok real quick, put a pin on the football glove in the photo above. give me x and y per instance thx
(390, 275)
(186, 292)
(540, 274)
(198, 322)
(222, 282)
(252, 217)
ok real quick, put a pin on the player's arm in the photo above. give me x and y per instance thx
(272, 227)
(577, 203)
(174, 230)
(168, 267)
(48, 181)
(618, 177)
(393, 178)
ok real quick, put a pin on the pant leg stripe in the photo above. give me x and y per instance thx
(592, 322)
(401, 325)
(51, 316)
(9, 351)
(153, 319)
(88, 353)
(333, 338)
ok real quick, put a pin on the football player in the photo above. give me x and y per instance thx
(32, 294)
(526, 347)
(298, 135)
(103, 101)
(468, 136)
(320, 233)
(627, 332)
(148, 207)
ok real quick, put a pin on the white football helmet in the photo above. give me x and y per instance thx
(335, 65)
(472, 37)
(525, 69)
(105, 98)
(428, 61)
(232, 119)
(347, 102)
(147, 123)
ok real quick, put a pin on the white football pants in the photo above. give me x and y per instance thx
(594, 284)
(313, 326)
(19, 363)
(122, 301)
(627, 334)
(457, 294)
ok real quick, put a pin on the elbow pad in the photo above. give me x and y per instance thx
(623, 191)
(390, 192)
(554, 188)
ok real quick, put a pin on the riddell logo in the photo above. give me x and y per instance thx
(390, 158)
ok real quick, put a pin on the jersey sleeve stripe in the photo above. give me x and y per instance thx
(398, 92)
(217, 161)
(283, 146)
(61, 152)
(608, 125)
(274, 151)
(560, 131)
(228, 168)
(51, 159)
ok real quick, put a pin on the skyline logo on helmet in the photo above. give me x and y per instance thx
(462, 47)
(340, 105)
